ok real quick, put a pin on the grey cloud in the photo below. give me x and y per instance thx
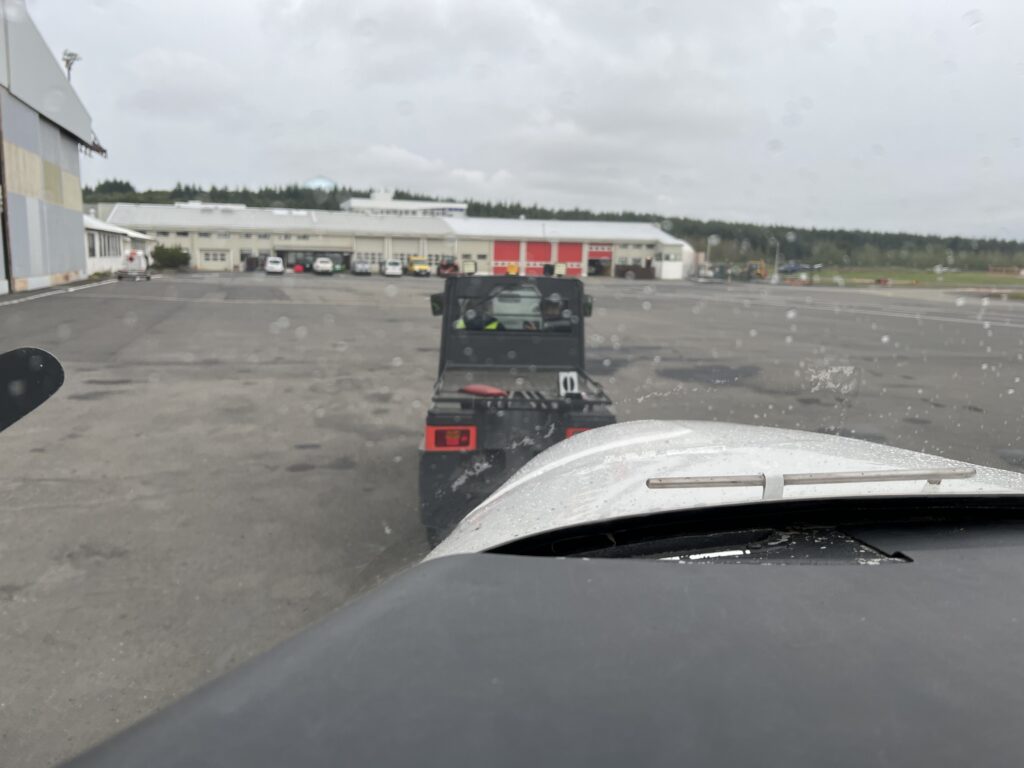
(856, 113)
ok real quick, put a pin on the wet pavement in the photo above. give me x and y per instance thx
(234, 456)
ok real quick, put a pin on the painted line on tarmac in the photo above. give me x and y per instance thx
(58, 292)
(370, 301)
(993, 311)
(840, 310)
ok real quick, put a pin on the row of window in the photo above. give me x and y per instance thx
(214, 256)
(104, 245)
(285, 236)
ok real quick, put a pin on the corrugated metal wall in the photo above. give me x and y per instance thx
(44, 198)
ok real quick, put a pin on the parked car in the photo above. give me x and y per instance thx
(419, 268)
(323, 265)
(134, 266)
(362, 267)
(392, 268)
(274, 265)
(448, 267)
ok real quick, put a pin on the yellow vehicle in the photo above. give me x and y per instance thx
(757, 268)
(419, 268)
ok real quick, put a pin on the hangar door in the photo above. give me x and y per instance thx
(506, 253)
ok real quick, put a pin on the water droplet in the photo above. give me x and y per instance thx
(753, 333)
(16, 388)
(789, 339)
(646, 306)
(774, 146)
(319, 413)
(960, 301)
(657, 359)
(396, 362)
(606, 363)
(467, 351)
(885, 339)
(391, 290)
(398, 459)
(511, 354)
(301, 332)
(791, 314)
(1010, 391)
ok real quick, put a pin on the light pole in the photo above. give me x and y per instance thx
(713, 240)
(775, 241)
(69, 58)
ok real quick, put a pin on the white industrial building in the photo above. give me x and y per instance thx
(229, 237)
(44, 124)
(107, 244)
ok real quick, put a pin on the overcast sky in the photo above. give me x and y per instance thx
(877, 114)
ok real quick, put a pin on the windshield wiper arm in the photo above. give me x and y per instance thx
(773, 484)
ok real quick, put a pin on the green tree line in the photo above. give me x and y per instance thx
(738, 242)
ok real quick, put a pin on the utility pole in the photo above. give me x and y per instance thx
(69, 58)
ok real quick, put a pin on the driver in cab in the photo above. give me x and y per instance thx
(479, 318)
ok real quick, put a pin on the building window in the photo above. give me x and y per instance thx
(163, 234)
(285, 237)
(264, 255)
(247, 235)
(108, 245)
(204, 234)
(181, 234)
(303, 237)
(263, 236)
(91, 238)
(211, 257)
(224, 235)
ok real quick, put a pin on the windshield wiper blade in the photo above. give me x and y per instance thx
(773, 484)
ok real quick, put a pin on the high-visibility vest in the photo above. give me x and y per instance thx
(460, 325)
